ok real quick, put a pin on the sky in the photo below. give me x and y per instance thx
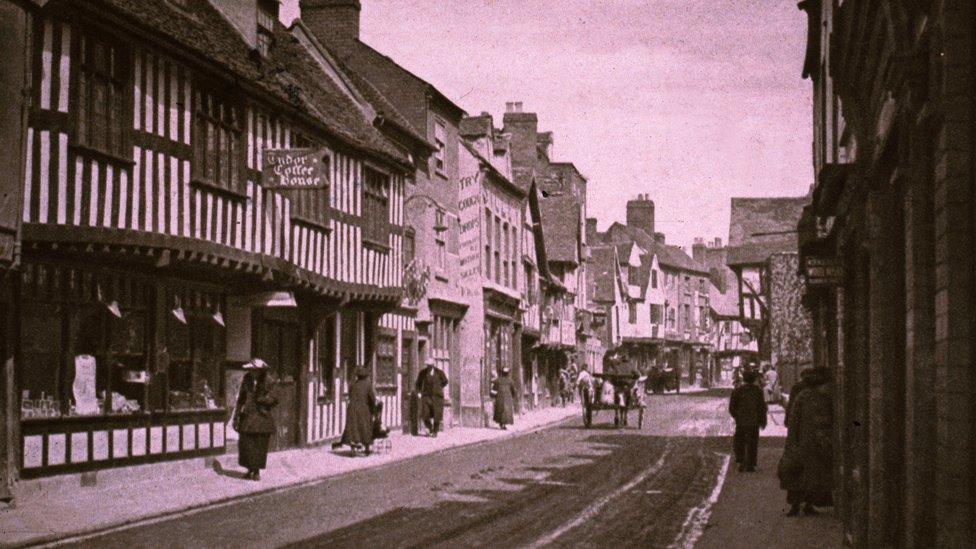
(690, 101)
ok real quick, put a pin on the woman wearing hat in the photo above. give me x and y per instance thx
(253, 418)
(504, 399)
(359, 412)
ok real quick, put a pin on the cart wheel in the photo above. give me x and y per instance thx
(640, 418)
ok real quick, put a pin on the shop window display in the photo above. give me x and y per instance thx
(195, 345)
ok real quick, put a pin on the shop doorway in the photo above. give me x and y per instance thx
(277, 342)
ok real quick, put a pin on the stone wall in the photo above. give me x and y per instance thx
(789, 322)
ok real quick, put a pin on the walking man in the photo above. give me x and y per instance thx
(748, 408)
(430, 387)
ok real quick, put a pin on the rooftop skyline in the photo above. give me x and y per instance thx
(693, 104)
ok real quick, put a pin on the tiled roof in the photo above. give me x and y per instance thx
(759, 227)
(560, 227)
(289, 74)
(601, 276)
(623, 252)
(405, 90)
(667, 256)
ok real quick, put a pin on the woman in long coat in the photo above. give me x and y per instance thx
(253, 418)
(359, 412)
(808, 450)
(505, 394)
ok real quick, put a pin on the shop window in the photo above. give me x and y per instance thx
(217, 150)
(386, 370)
(376, 207)
(195, 349)
(102, 109)
(326, 346)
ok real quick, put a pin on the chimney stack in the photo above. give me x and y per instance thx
(659, 238)
(591, 230)
(640, 213)
(523, 130)
(331, 20)
(699, 250)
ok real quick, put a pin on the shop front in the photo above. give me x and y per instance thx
(117, 367)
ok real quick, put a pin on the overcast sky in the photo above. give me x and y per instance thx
(690, 101)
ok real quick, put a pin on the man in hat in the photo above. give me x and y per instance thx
(430, 387)
(748, 408)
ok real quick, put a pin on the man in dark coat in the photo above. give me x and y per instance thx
(748, 408)
(430, 386)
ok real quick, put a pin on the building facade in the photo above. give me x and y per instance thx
(164, 244)
(886, 255)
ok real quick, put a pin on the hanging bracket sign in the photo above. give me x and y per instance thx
(823, 271)
(296, 168)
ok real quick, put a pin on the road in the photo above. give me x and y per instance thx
(562, 486)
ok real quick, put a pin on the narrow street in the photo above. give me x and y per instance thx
(562, 486)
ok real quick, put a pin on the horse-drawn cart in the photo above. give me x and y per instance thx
(620, 393)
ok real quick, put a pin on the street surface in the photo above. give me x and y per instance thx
(562, 486)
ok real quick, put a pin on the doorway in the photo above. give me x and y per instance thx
(277, 341)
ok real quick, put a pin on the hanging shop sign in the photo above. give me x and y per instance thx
(822, 271)
(296, 168)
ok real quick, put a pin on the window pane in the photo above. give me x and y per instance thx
(41, 352)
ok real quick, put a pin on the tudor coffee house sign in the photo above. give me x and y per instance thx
(296, 169)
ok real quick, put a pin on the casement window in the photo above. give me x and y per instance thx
(409, 247)
(488, 234)
(439, 240)
(515, 255)
(497, 244)
(386, 368)
(632, 312)
(654, 278)
(217, 150)
(440, 141)
(505, 254)
(102, 110)
(633, 275)
(266, 22)
(657, 313)
(376, 207)
(530, 292)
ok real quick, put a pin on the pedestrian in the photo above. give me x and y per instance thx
(748, 408)
(805, 469)
(584, 384)
(771, 387)
(359, 412)
(430, 387)
(253, 419)
(504, 409)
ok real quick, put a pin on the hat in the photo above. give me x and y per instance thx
(255, 364)
(430, 361)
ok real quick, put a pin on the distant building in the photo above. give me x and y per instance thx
(762, 245)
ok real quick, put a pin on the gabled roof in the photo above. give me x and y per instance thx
(724, 304)
(289, 75)
(667, 256)
(561, 227)
(760, 227)
(405, 90)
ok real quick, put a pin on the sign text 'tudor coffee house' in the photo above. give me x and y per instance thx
(296, 169)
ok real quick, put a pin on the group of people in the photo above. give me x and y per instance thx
(804, 469)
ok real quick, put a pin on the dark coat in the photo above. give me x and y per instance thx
(430, 385)
(809, 441)
(748, 406)
(505, 395)
(359, 413)
(255, 402)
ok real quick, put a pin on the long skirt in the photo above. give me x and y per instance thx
(253, 450)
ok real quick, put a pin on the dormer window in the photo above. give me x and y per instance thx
(267, 13)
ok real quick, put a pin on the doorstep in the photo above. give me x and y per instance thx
(56, 508)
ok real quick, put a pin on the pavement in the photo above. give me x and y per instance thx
(59, 508)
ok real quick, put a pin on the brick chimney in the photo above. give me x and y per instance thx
(659, 238)
(331, 20)
(591, 231)
(523, 129)
(717, 243)
(640, 213)
(699, 252)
